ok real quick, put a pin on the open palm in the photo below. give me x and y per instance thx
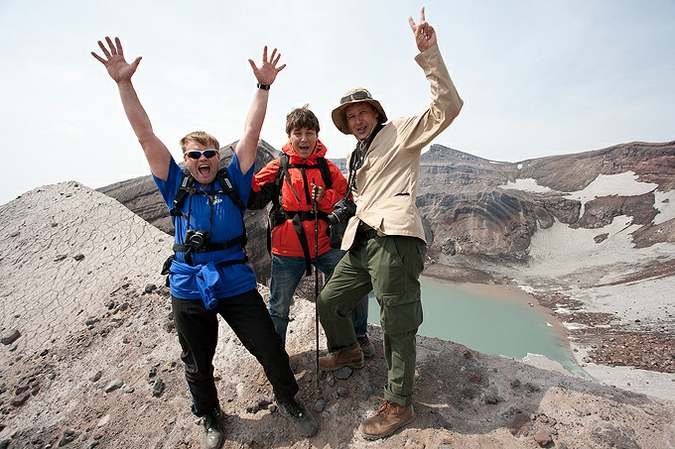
(267, 72)
(118, 68)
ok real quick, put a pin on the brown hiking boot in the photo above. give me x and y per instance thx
(387, 419)
(352, 358)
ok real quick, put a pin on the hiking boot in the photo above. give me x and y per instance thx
(303, 421)
(387, 419)
(352, 358)
(213, 432)
(366, 346)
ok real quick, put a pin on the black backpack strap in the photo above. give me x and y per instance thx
(325, 172)
(283, 173)
(223, 177)
(297, 225)
(186, 185)
(276, 211)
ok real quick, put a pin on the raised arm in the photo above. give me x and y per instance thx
(121, 71)
(425, 36)
(265, 74)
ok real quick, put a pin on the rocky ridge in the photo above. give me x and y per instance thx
(468, 210)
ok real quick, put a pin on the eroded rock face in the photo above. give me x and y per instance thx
(489, 223)
(469, 207)
(601, 211)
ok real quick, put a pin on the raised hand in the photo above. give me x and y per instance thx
(425, 36)
(118, 68)
(267, 72)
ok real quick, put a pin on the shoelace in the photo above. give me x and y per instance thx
(383, 408)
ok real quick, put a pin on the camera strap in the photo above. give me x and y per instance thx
(357, 158)
(212, 246)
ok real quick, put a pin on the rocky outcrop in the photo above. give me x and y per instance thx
(470, 206)
(652, 162)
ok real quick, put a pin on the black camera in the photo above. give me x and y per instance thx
(344, 210)
(197, 240)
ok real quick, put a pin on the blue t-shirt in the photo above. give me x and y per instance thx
(216, 214)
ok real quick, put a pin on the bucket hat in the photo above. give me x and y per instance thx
(357, 95)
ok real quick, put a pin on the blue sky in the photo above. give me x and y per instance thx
(538, 78)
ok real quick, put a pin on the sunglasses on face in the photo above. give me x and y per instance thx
(194, 154)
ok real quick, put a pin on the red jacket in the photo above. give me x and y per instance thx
(285, 240)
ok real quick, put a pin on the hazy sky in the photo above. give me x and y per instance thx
(538, 77)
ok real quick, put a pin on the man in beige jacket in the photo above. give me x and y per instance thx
(385, 238)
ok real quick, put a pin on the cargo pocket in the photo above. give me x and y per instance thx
(401, 313)
(399, 264)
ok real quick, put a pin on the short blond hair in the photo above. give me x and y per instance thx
(200, 137)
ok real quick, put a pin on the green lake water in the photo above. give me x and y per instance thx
(487, 323)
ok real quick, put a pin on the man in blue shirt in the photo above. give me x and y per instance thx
(208, 273)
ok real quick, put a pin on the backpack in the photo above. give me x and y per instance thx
(188, 182)
(185, 190)
(278, 215)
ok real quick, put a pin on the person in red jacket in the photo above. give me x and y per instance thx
(303, 181)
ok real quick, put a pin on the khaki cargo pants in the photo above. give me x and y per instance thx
(390, 266)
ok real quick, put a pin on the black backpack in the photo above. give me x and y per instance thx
(272, 192)
(185, 190)
(188, 182)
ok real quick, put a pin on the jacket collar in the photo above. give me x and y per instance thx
(294, 158)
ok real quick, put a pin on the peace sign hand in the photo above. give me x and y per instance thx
(425, 36)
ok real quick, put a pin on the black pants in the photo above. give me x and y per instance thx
(248, 317)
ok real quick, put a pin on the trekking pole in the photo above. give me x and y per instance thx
(316, 279)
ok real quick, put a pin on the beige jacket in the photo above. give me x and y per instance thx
(388, 180)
